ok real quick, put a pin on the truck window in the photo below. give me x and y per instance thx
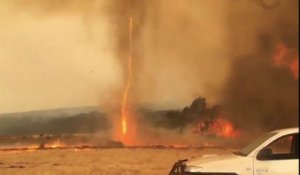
(282, 145)
(283, 148)
(249, 148)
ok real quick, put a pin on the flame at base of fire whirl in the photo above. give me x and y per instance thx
(125, 129)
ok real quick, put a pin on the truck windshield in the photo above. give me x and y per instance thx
(249, 148)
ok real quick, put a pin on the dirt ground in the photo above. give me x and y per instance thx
(125, 161)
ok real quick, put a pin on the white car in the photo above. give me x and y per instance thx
(275, 153)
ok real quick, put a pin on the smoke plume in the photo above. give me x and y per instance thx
(258, 94)
(173, 57)
(221, 50)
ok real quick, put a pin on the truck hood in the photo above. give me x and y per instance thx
(219, 163)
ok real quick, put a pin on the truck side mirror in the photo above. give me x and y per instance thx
(264, 154)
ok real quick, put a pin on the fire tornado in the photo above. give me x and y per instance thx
(124, 107)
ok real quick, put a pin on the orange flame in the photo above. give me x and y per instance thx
(220, 126)
(127, 130)
(224, 128)
(124, 108)
(124, 125)
(56, 144)
(284, 57)
(33, 146)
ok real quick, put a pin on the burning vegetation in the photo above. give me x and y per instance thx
(287, 58)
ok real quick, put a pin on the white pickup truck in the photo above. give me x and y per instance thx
(275, 153)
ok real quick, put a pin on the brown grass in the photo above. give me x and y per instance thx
(125, 161)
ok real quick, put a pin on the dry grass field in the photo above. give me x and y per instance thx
(125, 161)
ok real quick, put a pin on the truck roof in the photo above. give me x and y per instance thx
(287, 130)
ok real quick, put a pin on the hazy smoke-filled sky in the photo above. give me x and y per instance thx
(62, 53)
(65, 53)
(54, 55)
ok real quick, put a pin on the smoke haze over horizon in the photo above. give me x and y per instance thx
(64, 53)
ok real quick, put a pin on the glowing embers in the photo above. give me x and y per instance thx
(287, 58)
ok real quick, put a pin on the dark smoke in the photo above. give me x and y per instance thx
(259, 95)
